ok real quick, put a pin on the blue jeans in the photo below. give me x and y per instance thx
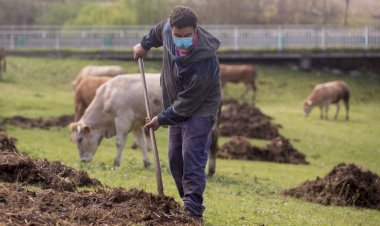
(189, 144)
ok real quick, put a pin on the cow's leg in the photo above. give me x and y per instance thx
(254, 88)
(321, 108)
(224, 89)
(326, 112)
(5, 65)
(247, 87)
(337, 111)
(147, 139)
(123, 126)
(347, 105)
(347, 110)
(79, 110)
(212, 152)
(141, 143)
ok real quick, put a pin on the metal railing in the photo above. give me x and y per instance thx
(234, 37)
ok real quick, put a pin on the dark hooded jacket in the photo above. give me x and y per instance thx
(190, 84)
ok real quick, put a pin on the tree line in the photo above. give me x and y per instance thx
(130, 12)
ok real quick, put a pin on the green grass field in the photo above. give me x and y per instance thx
(241, 192)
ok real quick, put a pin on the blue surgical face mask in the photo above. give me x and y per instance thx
(183, 43)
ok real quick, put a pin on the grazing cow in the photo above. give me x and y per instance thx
(325, 94)
(3, 62)
(84, 93)
(239, 73)
(117, 109)
(92, 70)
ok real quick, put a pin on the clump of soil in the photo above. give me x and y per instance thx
(246, 120)
(279, 150)
(346, 185)
(42, 123)
(7, 144)
(19, 205)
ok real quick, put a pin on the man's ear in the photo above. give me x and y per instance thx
(86, 129)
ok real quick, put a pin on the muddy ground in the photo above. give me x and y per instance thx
(42, 123)
(246, 120)
(39, 192)
(346, 185)
(279, 150)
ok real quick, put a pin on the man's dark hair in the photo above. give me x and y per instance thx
(183, 16)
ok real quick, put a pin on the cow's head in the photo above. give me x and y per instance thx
(87, 140)
(307, 106)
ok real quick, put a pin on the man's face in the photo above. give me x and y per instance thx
(182, 32)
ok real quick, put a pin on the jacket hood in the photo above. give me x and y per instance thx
(206, 46)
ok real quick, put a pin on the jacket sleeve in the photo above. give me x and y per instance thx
(154, 37)
(169, 117)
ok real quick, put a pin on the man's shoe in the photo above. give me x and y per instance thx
(193, 216)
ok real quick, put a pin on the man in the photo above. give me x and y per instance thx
(191, 95)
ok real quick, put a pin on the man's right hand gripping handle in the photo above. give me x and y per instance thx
(139, 52)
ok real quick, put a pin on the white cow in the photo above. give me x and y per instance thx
(117, 109)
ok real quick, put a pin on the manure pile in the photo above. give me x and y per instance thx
(55, 200)
(346, 185)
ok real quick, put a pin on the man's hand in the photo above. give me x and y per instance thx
(139, 51)
(152, 124)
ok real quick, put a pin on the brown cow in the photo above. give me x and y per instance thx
(239, 73)
(3, 62)
(84, 93)
(93, 70)
(325, 94)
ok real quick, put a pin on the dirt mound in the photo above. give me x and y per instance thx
(345, 185)
(279, 150)
(246, 120)
(19, 206)
(42, 123)
(42, 173)
(15, 167)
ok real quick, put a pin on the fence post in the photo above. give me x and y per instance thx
(57, 39)
(107, 41)
(12, 44)
(280, 40)
(323, 38)
(20, 40)
(236, 38)
(366, 44)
